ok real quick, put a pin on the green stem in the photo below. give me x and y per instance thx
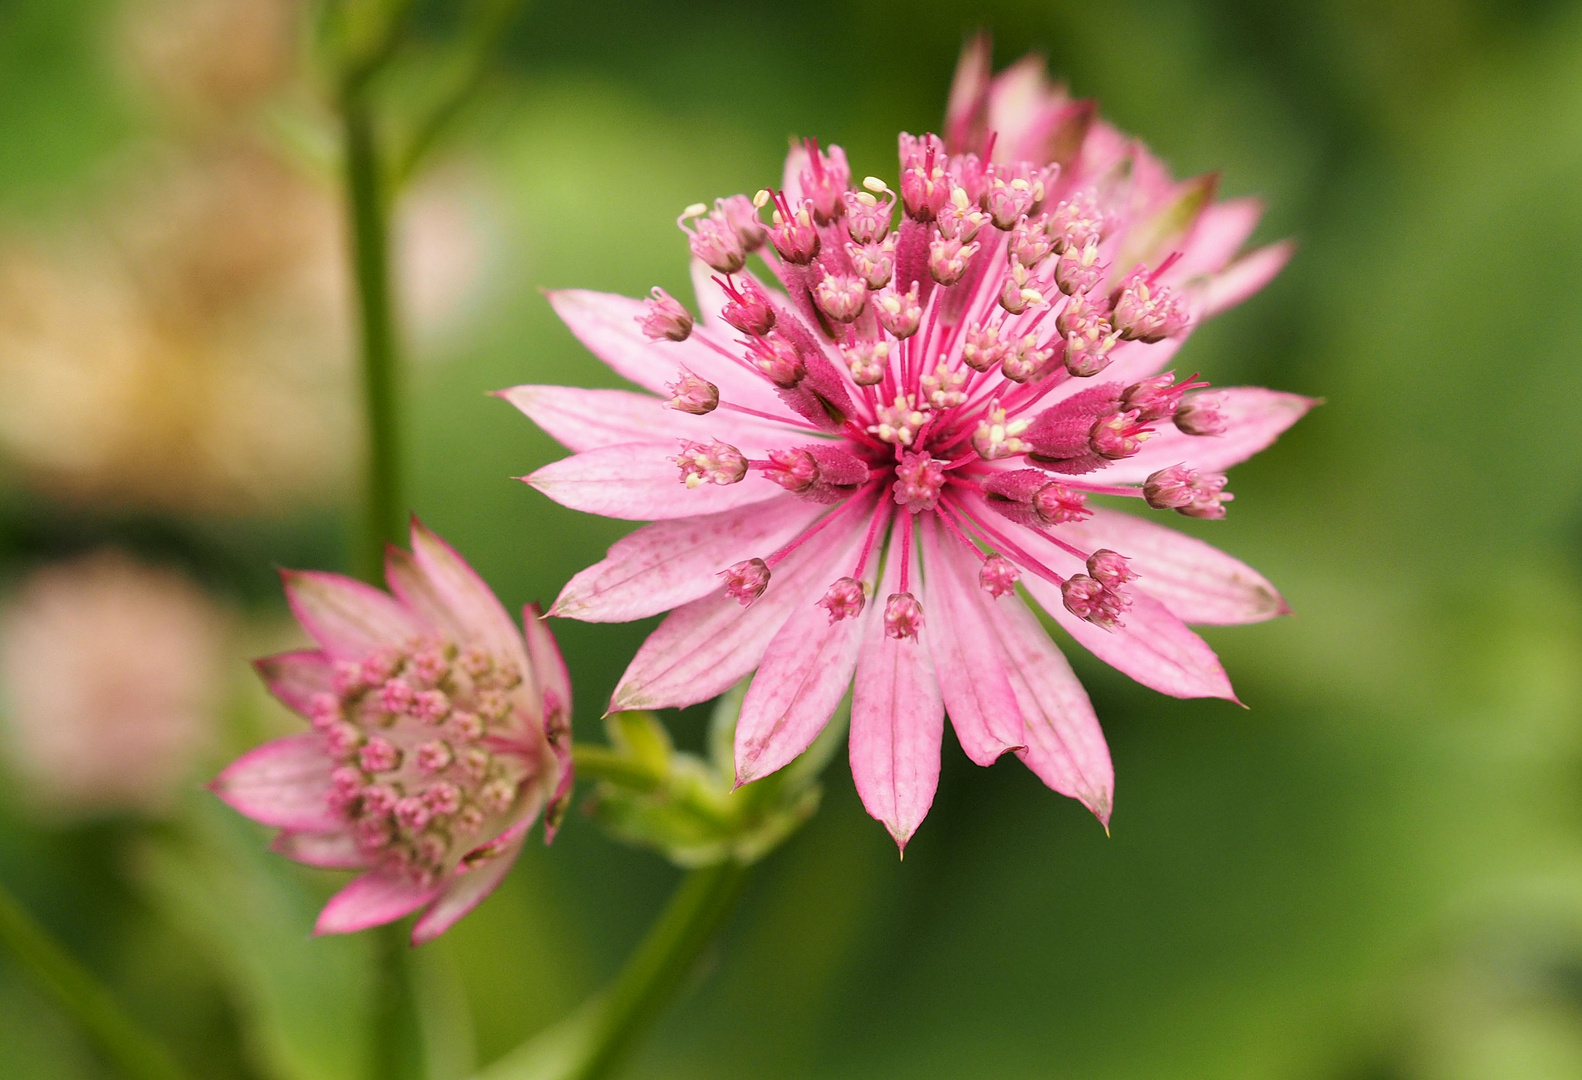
(593, 1042)
(135, 1053)
(392, 1026)
(664, 959)
(368, 209)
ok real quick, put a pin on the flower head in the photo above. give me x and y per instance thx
(440, 731)
(110, 673)
(972, 374)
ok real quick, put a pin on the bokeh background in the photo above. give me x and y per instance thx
(1373, 873)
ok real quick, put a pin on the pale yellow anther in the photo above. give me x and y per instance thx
(958, 197)
(761, 198)
(697, 209)
(875, 185)
(867, 199)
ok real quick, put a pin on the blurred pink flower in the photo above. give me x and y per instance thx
(439, 733)
(111, 674)
(924, 412)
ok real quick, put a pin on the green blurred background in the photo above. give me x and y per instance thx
(1373, 873)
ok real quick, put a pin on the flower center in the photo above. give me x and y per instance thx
(429, 751)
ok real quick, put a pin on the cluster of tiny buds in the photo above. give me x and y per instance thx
(1096, 596)
(415, 777)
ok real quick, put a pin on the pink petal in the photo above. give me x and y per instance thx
(332, 851)
(802, 677)
(897, 722)
(972, 678)
(640, 482)
(607, 325)
(349, 619)
(589, 419)
(1221, 230)
(669, 563)
(549, 667)
(1254, 417)
(295, 677)
(966, 112)
(791, 177)
(704, 648)
(413, 588)
(373, 899)
(1245, 277)
(1018, 99)
(1152, 646)
(710, 297)
(1065, 747)
(476, 613)
(284, 783)
(464, 891)
(1197, 582)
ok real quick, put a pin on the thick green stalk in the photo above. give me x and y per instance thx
(392, 1026)
(594, 1042)
(131, 1050)
(368, 207)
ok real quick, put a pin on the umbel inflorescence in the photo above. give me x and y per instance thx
(852, 464)
(439, 732)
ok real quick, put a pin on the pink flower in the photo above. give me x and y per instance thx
(929, 451)
(439, 733)
(110, 671)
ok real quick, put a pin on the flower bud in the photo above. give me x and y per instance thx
(779, 360)
(867, 217)
(1145, 311)
(1200, 415)
(746, 580)
(712, 463)
(898, 312)
(998, 576)
(841, 297)
(867, 361)
(749, 308)
(844, 600)
(794, 236)
(690, 394)
(903, 616)
(1119, 435)
(873, 262)
(948, 259)
(664, 317)
(983, 348)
